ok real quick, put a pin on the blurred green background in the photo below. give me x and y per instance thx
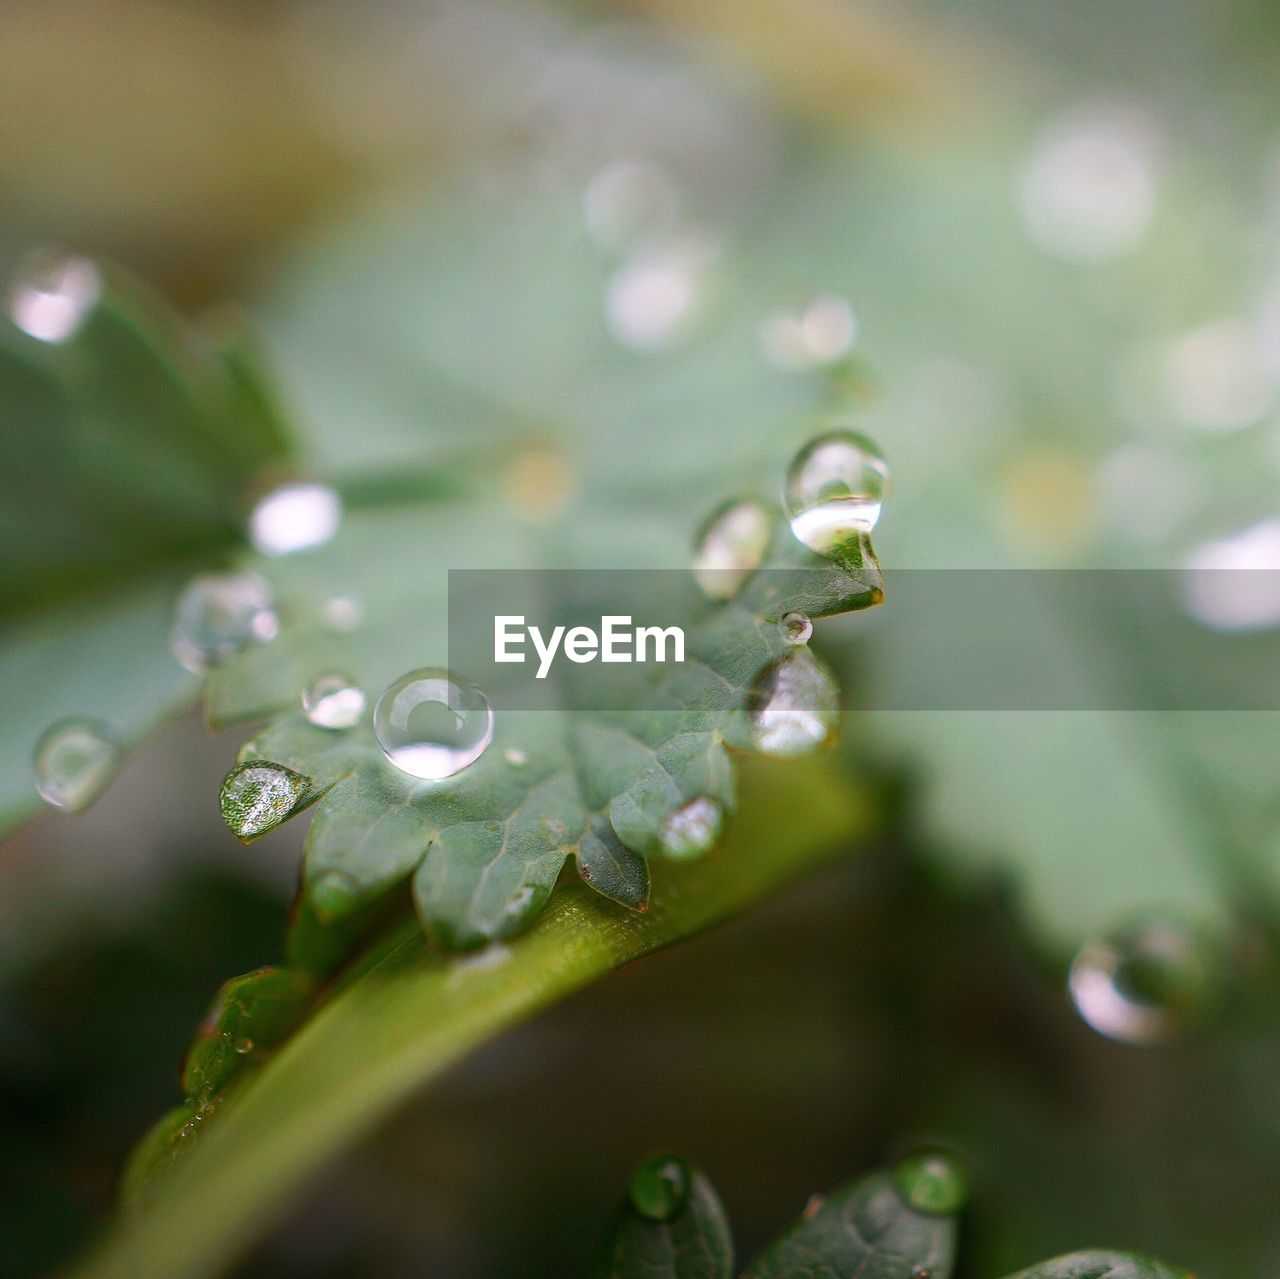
(1058, 227)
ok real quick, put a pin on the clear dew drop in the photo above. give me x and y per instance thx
(218, 615)
(1143, 985)
(259, 795)
(835, 489)
(796, 627)
(794, 705)
(243, 1045)
(74, 760)
(660, 1187)
(294, 517)
(932, 1181)
(812, 335)
(52, 298)
(432, 725)
(730, 546)
(693, 828)
(333, 700)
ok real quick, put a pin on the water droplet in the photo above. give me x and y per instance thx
(258, 795)
(52, 298)
(1233, 584)
(515, 757)
(693, 828)
(432, 725)
(796, 627)
(333, 700)
(730, 546)
(1090, 189)
(628, 201)
(243, 1045)
(341, 614)
(651, 299)
(1218, 378)
(835, 488)
(218, 615)
(1144, 985)
(932, 1181)
(794, 705)
(294, 517)
(816, 333)
(660, 1187)
(74, 760)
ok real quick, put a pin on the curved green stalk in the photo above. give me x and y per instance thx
(410, 1012)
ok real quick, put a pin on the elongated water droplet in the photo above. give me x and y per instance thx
(295, 517)
(74, 760)
(693, 828)
(730, 546)
(660, 1187)
(218, 615)
(796, 627)
(433, 725)
(835, 489)
(932, 1181)
(1144, 985)
(258, 795)
(815, 333)
(333, 700)
(793, 705)
(52, 298)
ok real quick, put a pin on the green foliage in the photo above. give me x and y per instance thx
(873, 1227)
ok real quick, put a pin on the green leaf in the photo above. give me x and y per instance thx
(683, 1239)
(1098, 1264)
(410, 1011)
(126, 453)
(867, 1228)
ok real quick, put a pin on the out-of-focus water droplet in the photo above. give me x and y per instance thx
(342, 614)
(652, 297)
(258, 795)
(693, 828)
(51, 299)
(730, 546)
(333, 700)
(629, 201)
(74, 760)
(1146, 493)
(433, 725)
(796, 627)
(243, 1045)
(794, 705)
(515, 757)
(294, 517)
(332, 895)
(1143, 985)
(932, 1181)
(835, 489)
(816, 333)
(1090, 189)
(1217, 377)
(1233, 583)
(218, 615)
(660, 1187)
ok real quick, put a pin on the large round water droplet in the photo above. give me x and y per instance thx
(432, 725)
(932, 1181)
(218, 615)
(730, 546)
(74, 760)
(693, 828)
(333, 700)
(294, 517)
(660, 1187)
(835, 488)
(1144, 985)
(52, 298)
(794, 705)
